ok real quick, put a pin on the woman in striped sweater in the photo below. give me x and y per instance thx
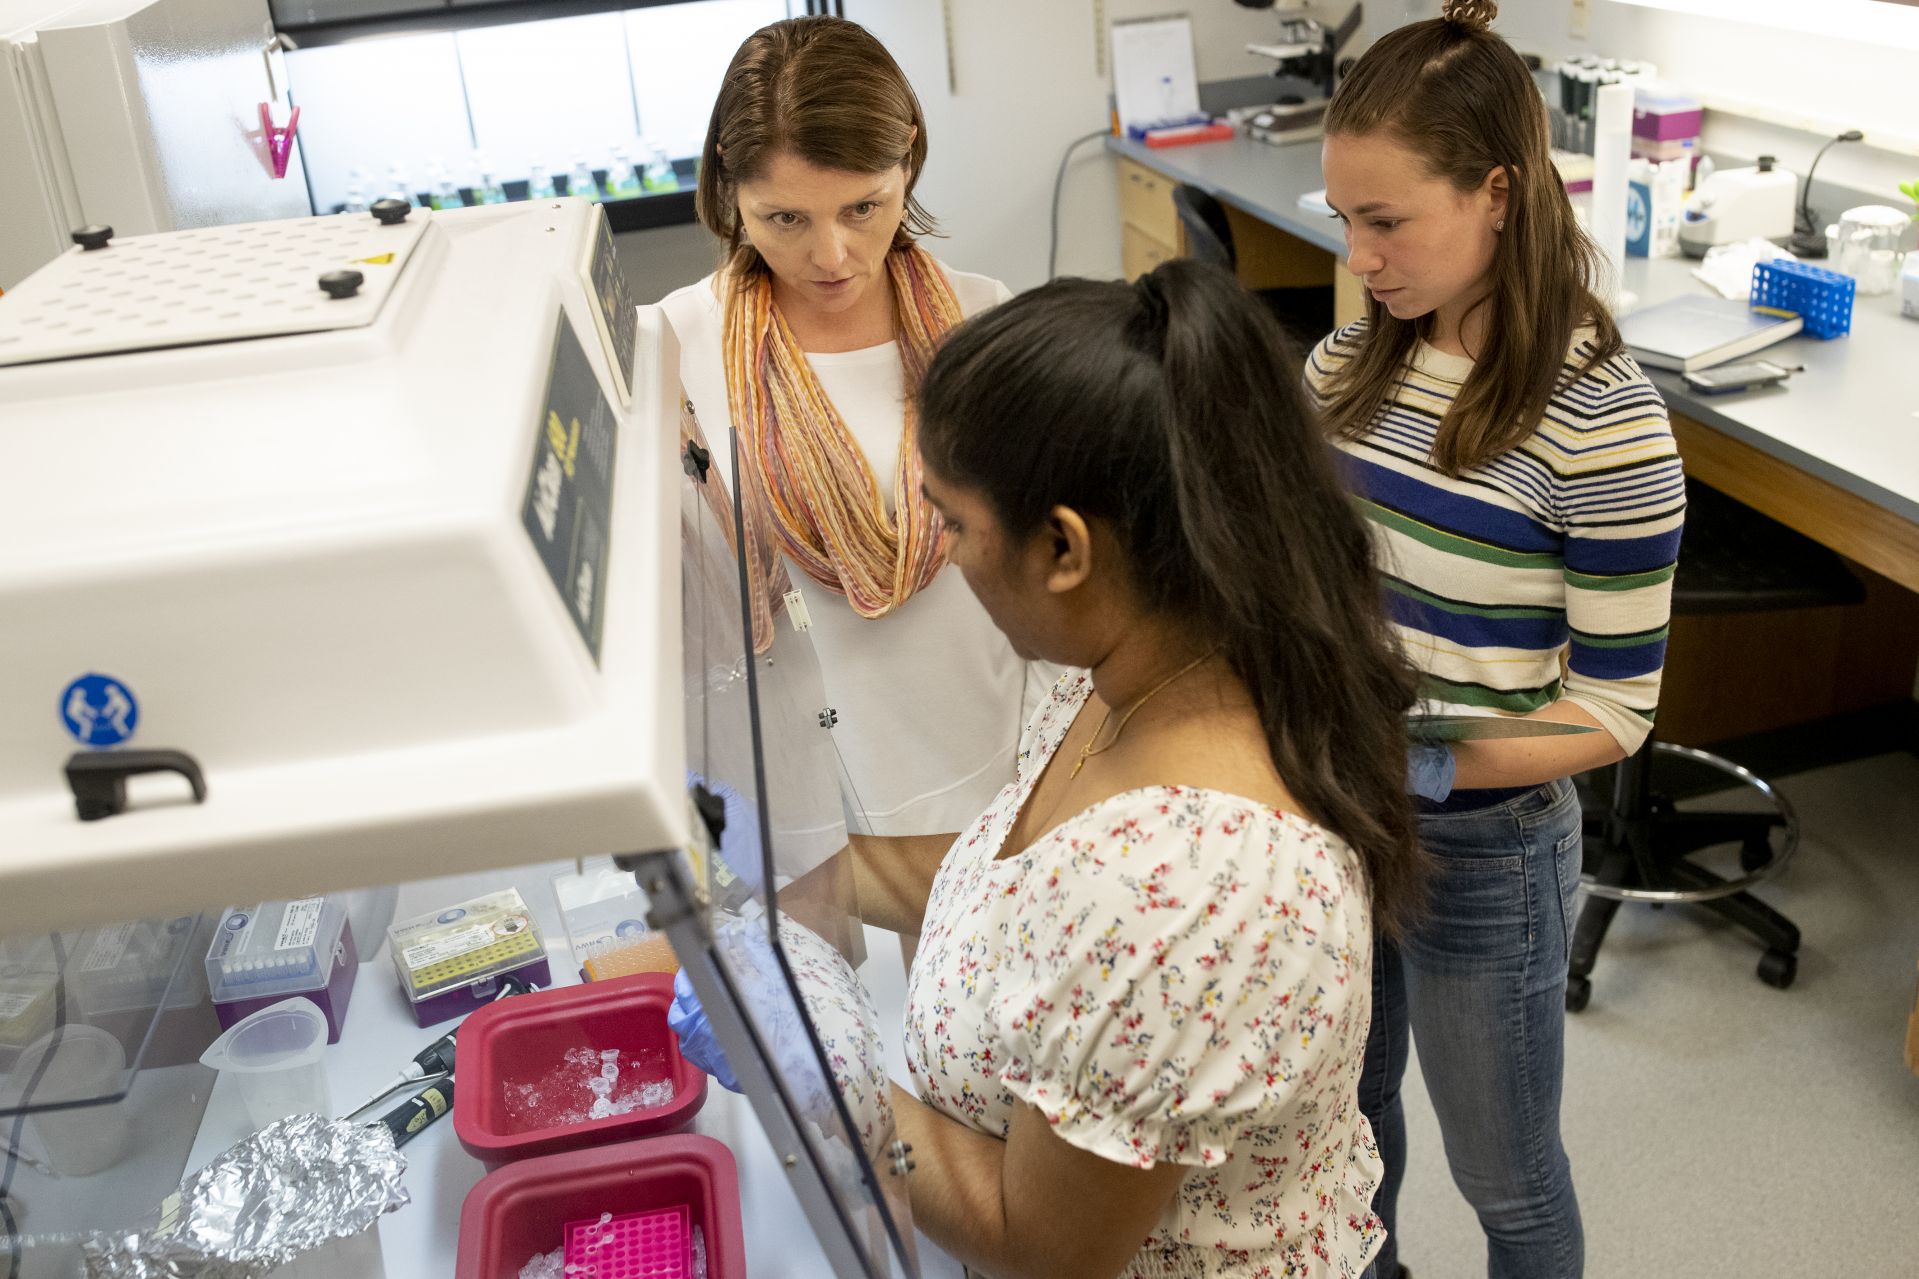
(1526, 501)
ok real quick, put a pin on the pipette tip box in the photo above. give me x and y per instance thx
(276, 950)
(451, 962)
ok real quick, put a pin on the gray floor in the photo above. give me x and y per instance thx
(1718, 1126)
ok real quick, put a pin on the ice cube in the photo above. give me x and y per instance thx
(602, 1109)
(699, 1253)
(544, 1265)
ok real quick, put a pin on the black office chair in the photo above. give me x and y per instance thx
(1209, 236)
(1305, 313)
(1638, 843)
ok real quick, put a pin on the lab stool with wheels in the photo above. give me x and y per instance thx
(1305, 313)
(1638, 842)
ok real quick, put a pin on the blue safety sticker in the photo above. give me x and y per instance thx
(99, 710)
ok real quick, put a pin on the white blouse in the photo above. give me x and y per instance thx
(929, 699)
(1171, 975)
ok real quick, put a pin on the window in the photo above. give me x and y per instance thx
(487, 113)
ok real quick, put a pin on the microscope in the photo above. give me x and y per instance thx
(1308, 66)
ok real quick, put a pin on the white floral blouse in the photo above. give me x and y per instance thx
(1172, 974)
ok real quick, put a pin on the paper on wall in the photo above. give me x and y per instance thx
(1155, 80)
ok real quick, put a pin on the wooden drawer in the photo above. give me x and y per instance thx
(1140, 252)
(1349, 297)
(1146, 201)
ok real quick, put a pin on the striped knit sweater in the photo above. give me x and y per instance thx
(1545, 573)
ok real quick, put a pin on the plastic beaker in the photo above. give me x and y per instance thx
(1868, 246)
(83, 1063)
(274, 1056)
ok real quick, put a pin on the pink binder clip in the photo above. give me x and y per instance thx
(279, 138)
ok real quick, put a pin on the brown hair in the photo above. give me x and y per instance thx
(1174, 412)
(825, 90)
(1454, 92)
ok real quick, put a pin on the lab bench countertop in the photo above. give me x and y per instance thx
(1851, 418)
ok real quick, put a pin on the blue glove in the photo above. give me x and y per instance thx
(688, 1020)
(1429, 771)
(830, 996)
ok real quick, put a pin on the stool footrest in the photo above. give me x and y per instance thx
(1664, 835)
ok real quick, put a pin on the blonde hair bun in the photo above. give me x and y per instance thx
(1474, 15)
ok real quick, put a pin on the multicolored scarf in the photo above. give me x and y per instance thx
(818, 487)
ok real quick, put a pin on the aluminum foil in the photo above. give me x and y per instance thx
(294, 1186)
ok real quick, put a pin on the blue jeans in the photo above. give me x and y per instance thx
(1482, 983)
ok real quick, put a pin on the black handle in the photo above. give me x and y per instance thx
(99, 778)
(93, 237)
(390, 212)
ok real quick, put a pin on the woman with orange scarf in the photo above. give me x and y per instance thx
(810, 341)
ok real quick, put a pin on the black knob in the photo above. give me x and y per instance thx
(93, 237)
(696, 461)
(341, 284)
(712, 811)
(1766, 162)
(391, 212)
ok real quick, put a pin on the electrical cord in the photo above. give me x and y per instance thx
(1059, 181)
(1807, 241)
(26, 1095)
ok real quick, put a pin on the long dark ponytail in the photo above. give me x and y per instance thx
(1173, 410)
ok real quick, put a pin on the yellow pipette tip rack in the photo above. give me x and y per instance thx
(464, 944)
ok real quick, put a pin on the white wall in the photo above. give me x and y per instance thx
(1028, 84)
(1837, 83)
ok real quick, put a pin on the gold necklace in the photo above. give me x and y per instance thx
(1087, 751)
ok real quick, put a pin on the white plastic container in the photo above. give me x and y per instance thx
(603, 908)
(87, 1062)
(274, 1057)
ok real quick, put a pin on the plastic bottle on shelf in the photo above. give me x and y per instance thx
(659, 174)
(539, 184)
(622, 183)
(445, 192)
(488, 190)
(356, 188)
(580, 181)
(398, 187)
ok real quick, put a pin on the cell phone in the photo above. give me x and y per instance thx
(1737, 377)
